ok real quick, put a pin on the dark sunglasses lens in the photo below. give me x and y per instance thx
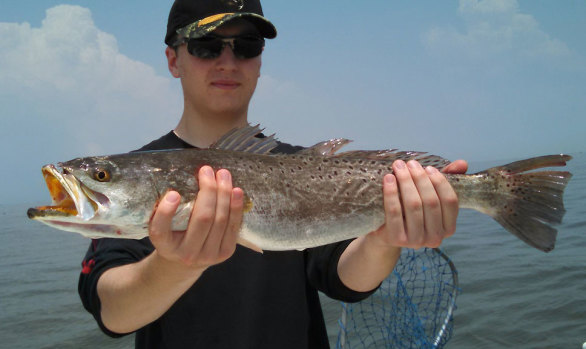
(205, 48)
(248, 47)
(210, 47)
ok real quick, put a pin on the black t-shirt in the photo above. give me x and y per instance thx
(252, 300)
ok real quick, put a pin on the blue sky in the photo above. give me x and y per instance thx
(472, 79)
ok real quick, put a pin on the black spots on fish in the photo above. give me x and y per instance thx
(509, 210)
(518, 191)
(335, 173)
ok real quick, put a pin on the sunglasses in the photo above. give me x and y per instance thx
(211, 46)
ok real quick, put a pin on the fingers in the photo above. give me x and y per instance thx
(393, 209)
(160, 223)
(427, 201)
(221, 241)
(411, 203)
(234, 223)
(215, 220)
(448, 200)
(210, 220)
(204, 210)
(433, 231)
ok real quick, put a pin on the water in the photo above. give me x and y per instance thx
(513, 296)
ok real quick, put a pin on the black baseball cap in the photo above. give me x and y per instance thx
(196, 18)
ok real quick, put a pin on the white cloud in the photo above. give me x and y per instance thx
(69, 73)
(495, 27)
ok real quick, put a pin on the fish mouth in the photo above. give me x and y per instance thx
(71, 199)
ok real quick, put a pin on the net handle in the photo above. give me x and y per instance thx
(442, 332)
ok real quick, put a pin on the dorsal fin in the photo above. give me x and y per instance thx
(244, 139)
(326, 148)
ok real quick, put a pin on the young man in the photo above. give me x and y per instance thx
(197, 288)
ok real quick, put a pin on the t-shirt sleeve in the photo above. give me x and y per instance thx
(102, 255)
(322, 272)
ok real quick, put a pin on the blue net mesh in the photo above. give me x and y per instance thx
(412, 309)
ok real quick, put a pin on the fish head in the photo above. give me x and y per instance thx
(91, 196)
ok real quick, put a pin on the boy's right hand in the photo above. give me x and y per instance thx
(213, 226)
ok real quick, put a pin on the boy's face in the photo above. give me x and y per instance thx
(220, 85)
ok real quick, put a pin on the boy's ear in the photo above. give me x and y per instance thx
(171, 54)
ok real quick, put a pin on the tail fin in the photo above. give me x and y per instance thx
(532, 201)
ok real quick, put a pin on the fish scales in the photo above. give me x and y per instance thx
(297, 201)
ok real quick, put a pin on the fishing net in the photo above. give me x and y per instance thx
(412, 309)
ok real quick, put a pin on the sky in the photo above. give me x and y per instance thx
(470, 79)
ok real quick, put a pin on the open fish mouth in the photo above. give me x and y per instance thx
(71, 199)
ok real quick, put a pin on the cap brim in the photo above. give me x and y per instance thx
(207, 25)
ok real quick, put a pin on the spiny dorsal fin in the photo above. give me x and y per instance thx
(326, 148)
(244, 139)
(395, 154)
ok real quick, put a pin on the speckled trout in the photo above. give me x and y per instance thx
(296, 201)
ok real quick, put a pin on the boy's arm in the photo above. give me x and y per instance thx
(134, 295)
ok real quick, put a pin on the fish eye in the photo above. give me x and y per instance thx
(101, 175)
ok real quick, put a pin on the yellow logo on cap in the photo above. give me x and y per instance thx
(211, 19)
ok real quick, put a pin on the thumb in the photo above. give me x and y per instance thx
(456, 167)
